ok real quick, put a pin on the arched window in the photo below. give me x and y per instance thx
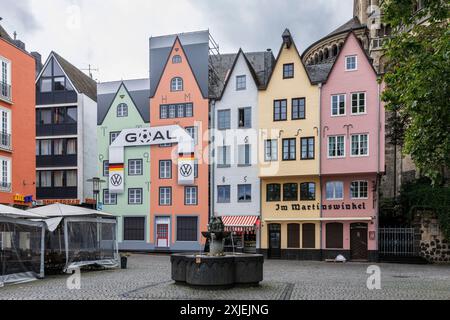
(334, 50)
(122, 110)
(176, 59)
(326, 54)
(320, 56)
(316, 59)
(176, 84)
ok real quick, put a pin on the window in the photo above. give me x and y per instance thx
(293, 233)
(338, 105)
(359, 190)
(223, 194)
(135, 196)
(224, 119)
(298, 109)
(71, 148)
(190, 196)
(59, 83)
(244, 155)
(360, 145)
(351, 63)
(280, 110)
(224, 156)
(5, 129)
(165, 169)
(58, 178)
(196, 168)
(172, 111)
(244, 193)
(193, 132)
(71, 178)
(336, 147)
(46, 85)
(188, 110)
(176, 84)
(133, 228)
(245, 117)
(290, 192)
(335, 190)
(307, 148)
(334, 235)
(46, 179)
(308, 236)
(273, 192)
(122, 110)
(288, 71)
(135, 167)
(308, 191)
(176, 59)
(71, 115)
(163, 111)
(5, 178)
(241, 83)
(5, 79)
(187, 228)
(289, 149)
(58, 147)
(113, 136)
(271, 150)
(359, 103)
(109, 198)
(46, 147)
(165, 196)
(44, 116)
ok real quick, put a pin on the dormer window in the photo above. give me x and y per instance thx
(176, 59)
(288, 71)
(351, 63)
(176, 84)
(122, 110)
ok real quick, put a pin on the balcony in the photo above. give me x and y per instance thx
(45, 130)
(57, 193)
(5, 187)
(56, 161)
(5, 141)
(5, 91)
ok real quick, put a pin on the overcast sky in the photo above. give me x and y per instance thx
(112, 35)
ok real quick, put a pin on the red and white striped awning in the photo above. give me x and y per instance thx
(240, 223)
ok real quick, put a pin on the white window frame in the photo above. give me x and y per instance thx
(339, 95)
(191, 196)
(272, 157)
(165, 169)
(242, 76)
(242, 153)
(167, 196)
(109, 199)
(135, 196)
(5, 165)
(176, 84)
(8, 76)
(221, 151)
(7, 130)
(359, 190)
(334, 190)
(356, 62)
(122, 110)
(135, 170)
(365, 103)
(359, 145)
(328, 147)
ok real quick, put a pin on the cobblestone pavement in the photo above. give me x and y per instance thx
(148, 277)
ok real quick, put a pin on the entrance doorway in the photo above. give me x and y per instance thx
(162, 232)
(358, 241)
(274, 241)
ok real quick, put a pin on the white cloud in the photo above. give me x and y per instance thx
(113, 35)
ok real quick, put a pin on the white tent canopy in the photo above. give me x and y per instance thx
(62, 210)
(17, 213)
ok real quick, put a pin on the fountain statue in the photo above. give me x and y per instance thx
(217, 269)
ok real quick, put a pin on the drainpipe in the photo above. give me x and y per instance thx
(378, 165)
(211, 164)
(319, 130)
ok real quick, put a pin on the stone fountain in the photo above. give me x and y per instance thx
(217, 269)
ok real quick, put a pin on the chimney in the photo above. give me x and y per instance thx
(37, 56)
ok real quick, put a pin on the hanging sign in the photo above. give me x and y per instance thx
(147, 137)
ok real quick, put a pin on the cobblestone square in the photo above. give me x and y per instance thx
(148, 277)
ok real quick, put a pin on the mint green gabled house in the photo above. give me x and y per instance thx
(125, 105)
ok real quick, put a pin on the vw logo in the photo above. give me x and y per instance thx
(186, 170)
(116, 180)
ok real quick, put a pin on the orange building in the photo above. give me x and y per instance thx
(17, 119)
(179, 96)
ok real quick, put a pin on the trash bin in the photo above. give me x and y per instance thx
(123, 262)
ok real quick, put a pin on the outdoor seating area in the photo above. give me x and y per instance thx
(54, 238)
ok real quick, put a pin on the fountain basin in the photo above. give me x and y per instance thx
(217, 271)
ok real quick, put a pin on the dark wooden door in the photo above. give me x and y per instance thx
(274, 241)
(358, 241)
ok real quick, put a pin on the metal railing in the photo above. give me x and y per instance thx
(5, 91)
(5, 141)
(398, 242)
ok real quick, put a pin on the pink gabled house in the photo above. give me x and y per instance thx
(352, 149)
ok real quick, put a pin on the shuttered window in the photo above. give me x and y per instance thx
(308, 236)
(134, 228)
(334, 235)
(293, 235)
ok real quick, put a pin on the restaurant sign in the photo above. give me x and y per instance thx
(326, 207)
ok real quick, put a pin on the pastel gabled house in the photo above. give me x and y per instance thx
(352, 149)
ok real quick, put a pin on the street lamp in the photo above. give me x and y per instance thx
(96, 184)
